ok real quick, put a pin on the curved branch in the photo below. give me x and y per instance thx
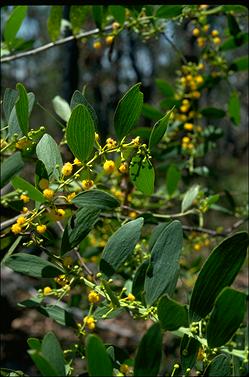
(62, 41)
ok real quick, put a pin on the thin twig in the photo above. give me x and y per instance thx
(175, 48)
(47, 46)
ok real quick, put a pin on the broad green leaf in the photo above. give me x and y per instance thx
(164, 262)
(156, 233)
(52, 352)
(48, 152)
(79, 98)
(227, 315)
(77, 17)
(34, 343)
(165, 88)
(78, 226)
(118, 13)
(233, 26)
(172, 179)
(9, 100)
(80, 132)
(98, 361)
(234, 42)
(13, 123)
(96, 199)
(13, 24)
(54, 22)
(240, 64)
(120, 246)
(98, 15)
(11, 166)
(138, 281)
(168, 103)
(34, 194)
(159, 130)
(150, 112)
(128, 111)
(58, 314)
(189, 197)
(169, 11)
(213, 112)
(62, 108)
(189, 351)
(43, 365)
(234, 107)
(171, 314)
(235, 8)
(32, 265)
(219, 366)
(149, 353)
(218, 272)
(142, 174)
(22, 108)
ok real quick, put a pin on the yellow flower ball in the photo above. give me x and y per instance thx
(110, 143)
(93, 297)
(186, 102)
(21, 220)
(124, 368)
(67, 169)
(90, 322)
(109, 39)
(41, 229)
(184, 109)
(87, 184)
(185, 139)
(97, 45)
(48, 193)
(197, 247)
(188, 126)
(115, 25)
(71, 196)
(199, 79)
(214, 33)
(16, 228)
(76, 161)
(136, 141)
(123, 168)
(131, 297)
(196, 32)
(60, 212)
(47, 290)
(25, 198)
(109, 166)
(217, 40)
(133, 214)
(206, 28)
(24, 210)
(201, 42)
(195, 94)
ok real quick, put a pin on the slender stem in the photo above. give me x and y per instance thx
(52, 116)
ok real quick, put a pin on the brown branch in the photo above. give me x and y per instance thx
(47, 46)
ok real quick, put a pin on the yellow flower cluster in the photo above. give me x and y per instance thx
(110, 143)
(48, 193)
(47, 290)
(71, 196)
(87, 184)
(123, 168)
(67, 169)
(186, 143)
(90, 322)
(109, 166)
(17, 227)
(93, 297)
(131, 297)
(41, 229)
(61, 280)
(25, 198)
